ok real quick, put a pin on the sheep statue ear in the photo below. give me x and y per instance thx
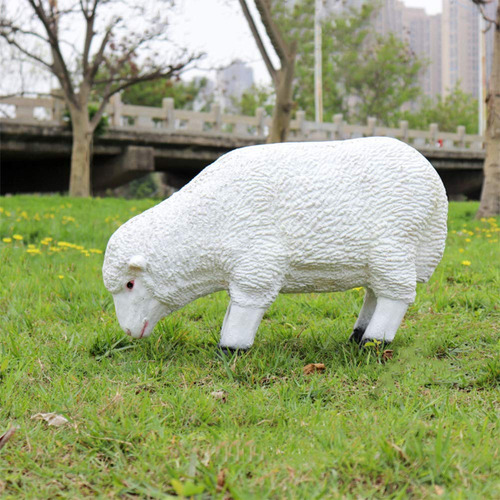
(137, 263)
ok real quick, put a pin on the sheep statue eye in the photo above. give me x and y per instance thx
(130, 285)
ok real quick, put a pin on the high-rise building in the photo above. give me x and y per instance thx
(232, 82)
(435, 56)
(461, 45)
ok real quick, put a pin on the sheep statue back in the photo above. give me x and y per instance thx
(290, 217)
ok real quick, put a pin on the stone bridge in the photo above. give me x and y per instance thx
(35, 144)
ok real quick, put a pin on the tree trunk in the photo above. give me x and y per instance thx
(81, 154)
(283, 108)
(490, 194)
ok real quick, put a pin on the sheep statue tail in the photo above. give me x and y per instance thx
(430, 248)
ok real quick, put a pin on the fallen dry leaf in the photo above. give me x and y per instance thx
(402, 455)
(220, 395)
(438, 489)
(313, 368)
(51, 419)
(387, 354)
(221, 480)
(6, 436)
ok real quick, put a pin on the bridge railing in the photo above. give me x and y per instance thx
(167, 119)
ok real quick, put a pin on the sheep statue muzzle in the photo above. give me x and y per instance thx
(290, 218)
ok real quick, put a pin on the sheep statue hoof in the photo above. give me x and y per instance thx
(356, 336)
(285, 218)
(229, 351)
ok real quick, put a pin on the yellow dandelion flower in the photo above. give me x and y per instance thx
(31, 246)
(1, 210)
(461, 250)
(7, 240)
(33, 251)
(467, 240)
(7, 213)
(95, 250)
(466, 262)
(17, 237)
(60, 276)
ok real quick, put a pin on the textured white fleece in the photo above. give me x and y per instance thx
(291, 217)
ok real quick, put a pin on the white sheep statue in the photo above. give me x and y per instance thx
(290, 218)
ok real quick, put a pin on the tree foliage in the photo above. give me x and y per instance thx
(153, 92)
(257, 96)
(450, 111)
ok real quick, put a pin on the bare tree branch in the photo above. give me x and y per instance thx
(59, 67)
(273, 32)
(26, 53)
(155, 75)
(98, 58)
(13, 29)
(258, 39)
(115, 58)
(480, 5)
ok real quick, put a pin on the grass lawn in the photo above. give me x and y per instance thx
(165, 416)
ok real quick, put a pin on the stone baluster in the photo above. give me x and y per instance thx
(216, 110)
(167, 104)
(260, 119)
(371, 122)
(461, 136)
(301, 125)
(403, 125)
(433, 134)
(338, 121)
(116, 110)
(58, 105)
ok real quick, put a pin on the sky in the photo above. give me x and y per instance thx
(430, 6)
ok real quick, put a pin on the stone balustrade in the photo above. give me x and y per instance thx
(166, 119)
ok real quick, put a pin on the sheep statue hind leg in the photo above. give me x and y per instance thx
(392, 289)
(378, 319)
(365, 315)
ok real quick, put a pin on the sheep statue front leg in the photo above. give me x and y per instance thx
(239, 327)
